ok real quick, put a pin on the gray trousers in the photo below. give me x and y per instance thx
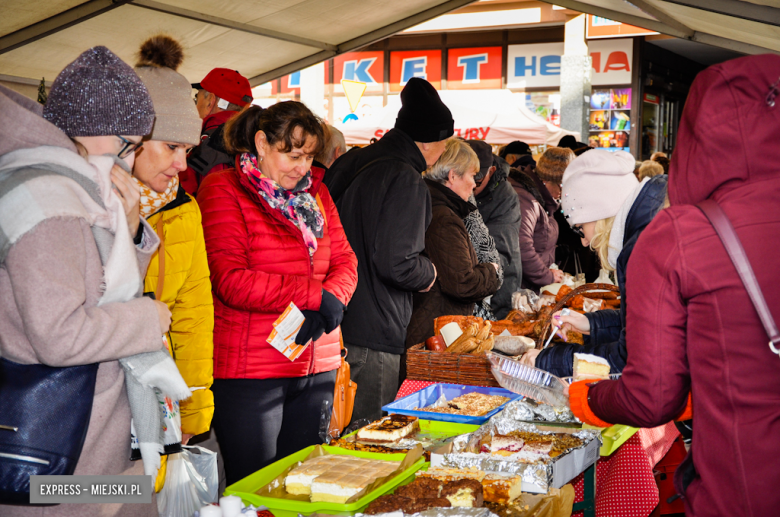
(376, 376)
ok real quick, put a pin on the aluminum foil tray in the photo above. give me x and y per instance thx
(528, 381)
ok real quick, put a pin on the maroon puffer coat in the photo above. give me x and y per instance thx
(259, 264)
(690, 324)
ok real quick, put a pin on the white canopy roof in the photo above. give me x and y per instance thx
(496, 116)
(262, 39)
(748, 26)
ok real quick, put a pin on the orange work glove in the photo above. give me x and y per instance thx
(578, 400)
(687, 413)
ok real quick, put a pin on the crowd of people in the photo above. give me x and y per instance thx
(130, 212)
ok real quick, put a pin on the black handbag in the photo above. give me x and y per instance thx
(44, 416)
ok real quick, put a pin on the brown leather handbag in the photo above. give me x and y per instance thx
(343, 396)
(344, 393)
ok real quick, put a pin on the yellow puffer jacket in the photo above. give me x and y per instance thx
(186, 290)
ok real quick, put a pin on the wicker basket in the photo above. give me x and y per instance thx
(424, 365)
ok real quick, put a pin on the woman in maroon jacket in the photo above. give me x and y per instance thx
(273, 236)
(691, 325)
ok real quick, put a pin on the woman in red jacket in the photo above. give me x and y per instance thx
(691, 326)
(273, 236)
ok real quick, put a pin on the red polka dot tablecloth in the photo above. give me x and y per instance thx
(625, 486)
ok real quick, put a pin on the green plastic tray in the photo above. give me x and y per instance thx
(438, 430)
(246, 488)
(613, 437)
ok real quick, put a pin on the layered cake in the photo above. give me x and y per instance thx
(589, 366)
(299, 479)
(528, 447)
(335, 478)
(470, 404)
(448, 475)
(463, 493)
(501, 488)
(389, 429)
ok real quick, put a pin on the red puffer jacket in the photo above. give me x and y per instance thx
(259, 264)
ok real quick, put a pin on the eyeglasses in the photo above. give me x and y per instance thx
(577, 228)
(129, 147)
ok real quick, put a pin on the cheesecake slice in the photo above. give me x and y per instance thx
(589, 366)
(389, 429)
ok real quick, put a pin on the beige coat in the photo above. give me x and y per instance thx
(49, 288)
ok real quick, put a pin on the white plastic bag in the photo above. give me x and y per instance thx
(191, 482)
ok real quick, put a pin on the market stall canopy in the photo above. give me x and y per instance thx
(262, 39)
(496, 116)
(748, 26)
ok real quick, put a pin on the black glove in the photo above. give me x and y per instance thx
(313, 327)
(332, 310)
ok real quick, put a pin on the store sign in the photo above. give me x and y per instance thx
(539, 65)
(363, 67)
(425, 64)
(474, 68)
(599, 27)
(290, 84)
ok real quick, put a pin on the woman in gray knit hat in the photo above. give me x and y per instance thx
(182, 280)
(70, 268)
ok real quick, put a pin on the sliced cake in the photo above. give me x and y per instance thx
(589, 366)
(464, 493)
(389, 429)
(501, 488)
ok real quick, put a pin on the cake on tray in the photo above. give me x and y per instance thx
(389, 429)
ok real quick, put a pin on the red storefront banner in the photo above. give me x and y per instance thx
(364, 67)
(404, 65)
(474, 68)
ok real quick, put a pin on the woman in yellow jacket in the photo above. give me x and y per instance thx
(178, 274)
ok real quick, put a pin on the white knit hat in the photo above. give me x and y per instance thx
(596, 184)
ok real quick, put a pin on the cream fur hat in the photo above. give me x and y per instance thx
(176, 117)
(596, 184)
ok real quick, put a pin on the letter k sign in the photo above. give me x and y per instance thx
(358, 70)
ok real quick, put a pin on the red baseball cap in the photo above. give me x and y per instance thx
(227, 84)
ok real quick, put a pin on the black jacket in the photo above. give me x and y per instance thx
(500, 210)
(608, 328)
(385, 210)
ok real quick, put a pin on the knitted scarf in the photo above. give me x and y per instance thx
(153, 201)
(485, 247)
(297, 205)
(63, 184)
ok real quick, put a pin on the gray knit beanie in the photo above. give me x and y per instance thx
(176, 117)
(98, 94)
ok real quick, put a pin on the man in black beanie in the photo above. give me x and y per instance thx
(385, 209)
(514, 150)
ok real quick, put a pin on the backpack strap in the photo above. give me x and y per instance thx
(731, 242)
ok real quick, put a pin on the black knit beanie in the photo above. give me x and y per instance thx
(423, 116)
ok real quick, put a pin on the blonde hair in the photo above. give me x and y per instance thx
(458, 156)
(600, 241)
(648, 169)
